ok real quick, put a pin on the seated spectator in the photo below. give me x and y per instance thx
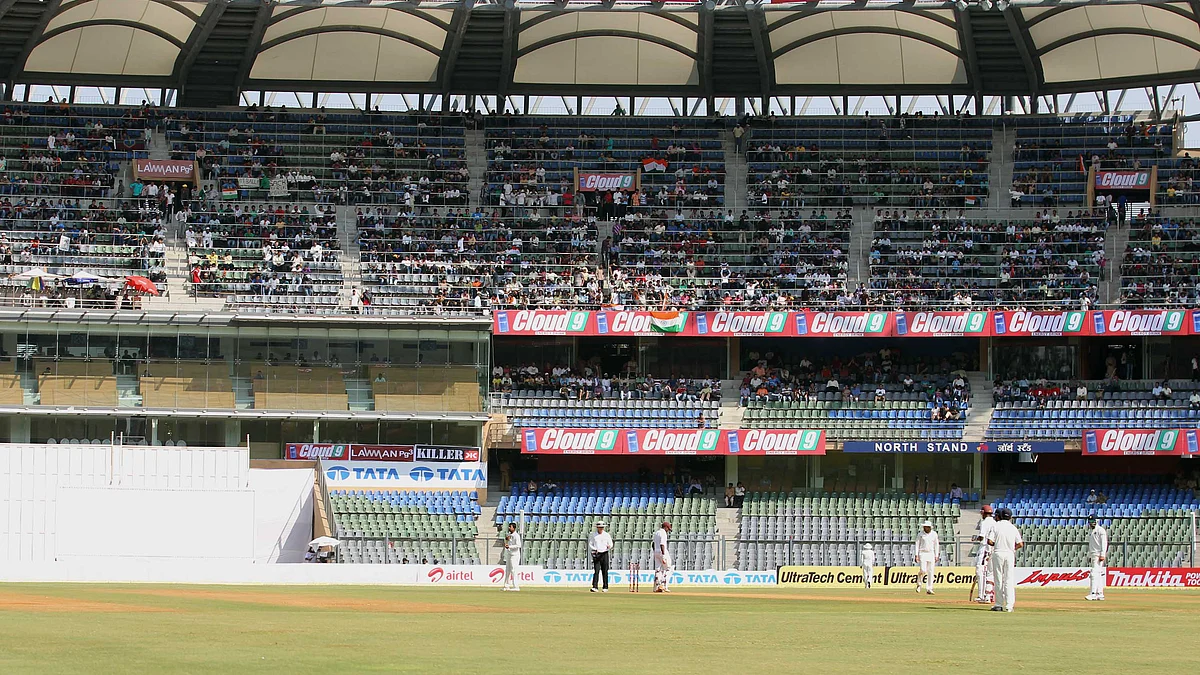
(832, 385)
(729, 496)
(739, 495)
(695, 487)
(935, 414)
(549, 486)
(1194, 400)
(1092, 498)
(880, 394)
(532, 487)
(701, 422)
(1101, 498)
(1081, 392)
(908, 384)
(744, 395)
(956, 493)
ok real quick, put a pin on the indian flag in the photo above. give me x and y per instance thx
(667, 322)
(654, 164)
(229, 193)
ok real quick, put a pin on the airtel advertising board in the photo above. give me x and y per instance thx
(673, 441)
(1126, 442)
(474, 575)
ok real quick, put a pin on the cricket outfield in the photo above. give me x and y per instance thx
(51, 628)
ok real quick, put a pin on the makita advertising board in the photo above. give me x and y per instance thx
(1154, 577)
(1126, 442)
(673, 441)
(405, 475)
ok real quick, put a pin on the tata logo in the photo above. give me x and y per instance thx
(421, 474)
(732, 579)
(551, 577)
(337, 473)
(496, 575)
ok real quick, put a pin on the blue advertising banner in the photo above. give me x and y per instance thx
(952, 447)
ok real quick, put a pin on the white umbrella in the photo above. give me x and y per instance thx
(85, 278)
(324, 541)
(36, 273)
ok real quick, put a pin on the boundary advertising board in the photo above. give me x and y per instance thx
(544, 441)
(806, 323)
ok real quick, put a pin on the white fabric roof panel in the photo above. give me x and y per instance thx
(868, 58)
(346, 55)
(606, 61)
(1082, 20)
(402, 23)
(634, 22)
(104, 50)
(1114, 56)
(166, 18)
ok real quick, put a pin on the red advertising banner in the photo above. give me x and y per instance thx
(673, 442)
(606, 182)
(941, 324)
(1154, 577)
(1126, 442)
(1142, 322)
(164, 169)
(381, 453)
(1124, 179)
(1113, 323)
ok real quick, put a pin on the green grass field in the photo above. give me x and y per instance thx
(109, 628)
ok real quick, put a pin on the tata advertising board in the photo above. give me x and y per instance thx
(673, 441)
(405, 475)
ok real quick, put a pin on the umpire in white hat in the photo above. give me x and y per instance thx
(926, 555)
(600, 545)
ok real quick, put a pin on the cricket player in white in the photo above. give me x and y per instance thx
(926, 555)
(512, 546)
(983, 558)
(1005, 541)
(1097, 556)
(868, 563)
(662, 559)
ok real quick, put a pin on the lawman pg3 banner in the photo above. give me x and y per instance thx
(788, 442)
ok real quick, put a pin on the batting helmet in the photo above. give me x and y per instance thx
(986, 509)
(1092, 518)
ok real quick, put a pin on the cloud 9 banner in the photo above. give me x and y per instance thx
(406, 475)
(1124, 442)
(673, 442)
(952, 447)
(1112, 323)
(381, 453)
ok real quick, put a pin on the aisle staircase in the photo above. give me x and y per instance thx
(476, 151)
(736, 175)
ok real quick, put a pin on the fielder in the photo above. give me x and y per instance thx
(983, 558)
(662, 559)
(926, 555)
(512, 545)
(1097, 555)
(868, 563)
(1005, 541)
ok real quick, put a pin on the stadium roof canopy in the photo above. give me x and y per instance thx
(211, 51)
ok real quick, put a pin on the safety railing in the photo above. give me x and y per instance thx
(407, 550)
(688, 551)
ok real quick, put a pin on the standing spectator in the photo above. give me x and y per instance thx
(738, 132)
(599, 545)
(739, 495)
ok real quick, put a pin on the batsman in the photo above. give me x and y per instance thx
(983, 558)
